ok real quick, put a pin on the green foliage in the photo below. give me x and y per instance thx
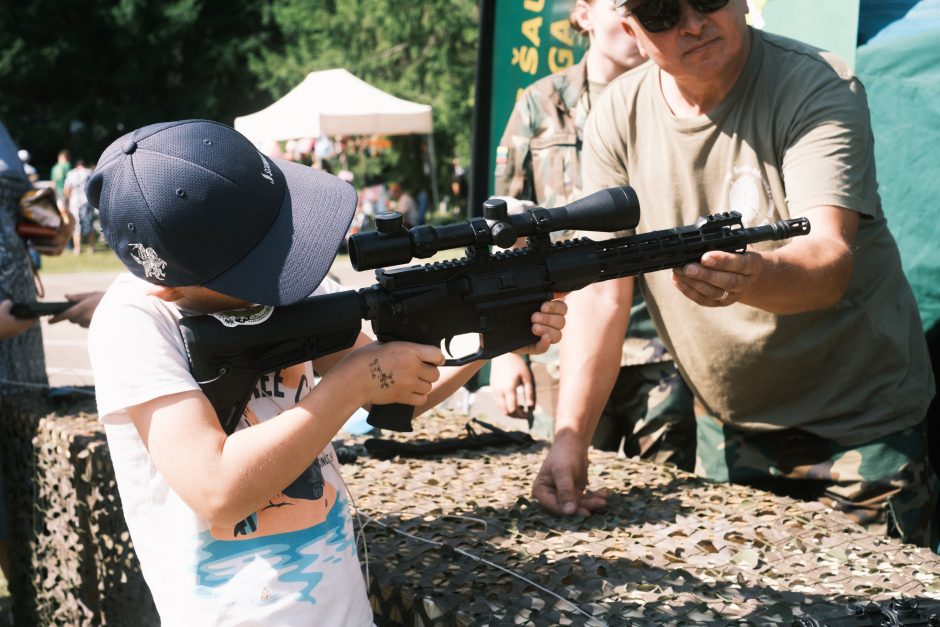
(421, 51)
(83, 73)
(78, 75)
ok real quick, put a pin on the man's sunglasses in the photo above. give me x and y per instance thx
(657, 16)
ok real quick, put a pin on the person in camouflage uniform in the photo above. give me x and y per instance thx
(859, 480)
(538, 159)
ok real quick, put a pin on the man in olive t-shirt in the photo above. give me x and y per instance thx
(806, 356)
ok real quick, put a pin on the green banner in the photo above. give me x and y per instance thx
(531, 39)
(828, 24)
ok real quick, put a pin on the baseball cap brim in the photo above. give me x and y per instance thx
(296, 253)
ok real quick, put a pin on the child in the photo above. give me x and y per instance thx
(252, 528)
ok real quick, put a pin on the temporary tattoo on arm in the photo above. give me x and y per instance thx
(385, 379)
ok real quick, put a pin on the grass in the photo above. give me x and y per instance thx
(103, 260)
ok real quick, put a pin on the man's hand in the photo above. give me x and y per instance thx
(508, 373)
(806, 274)
(11, 326)
(560, 483)
(720, 278)
(81, 312)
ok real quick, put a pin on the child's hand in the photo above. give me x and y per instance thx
(10, 326)
(547, 324)
(508, 373)
(396, 372)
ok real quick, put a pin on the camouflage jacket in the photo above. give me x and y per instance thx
(539, 155)
(539, 159)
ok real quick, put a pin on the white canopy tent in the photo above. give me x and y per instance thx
(335, 102)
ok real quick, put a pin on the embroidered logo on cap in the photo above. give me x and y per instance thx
(153, 265)
(267, 169)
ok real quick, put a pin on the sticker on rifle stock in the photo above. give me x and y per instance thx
(249, 315)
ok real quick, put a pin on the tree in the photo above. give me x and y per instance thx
(422, 51)
(77, 75)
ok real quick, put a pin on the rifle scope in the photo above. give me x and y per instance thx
(614, 209)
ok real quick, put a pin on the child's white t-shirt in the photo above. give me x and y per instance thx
(292, 563)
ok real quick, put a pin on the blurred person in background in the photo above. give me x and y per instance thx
(58, 173)
(77, 204)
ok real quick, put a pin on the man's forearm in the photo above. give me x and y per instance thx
(590, 355)
(809, 273)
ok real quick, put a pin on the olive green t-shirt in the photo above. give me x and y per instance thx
(794, 133)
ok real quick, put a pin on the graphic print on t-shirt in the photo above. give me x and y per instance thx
(749, 194)
(286, 529)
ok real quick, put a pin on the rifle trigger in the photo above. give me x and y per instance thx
(466, 359)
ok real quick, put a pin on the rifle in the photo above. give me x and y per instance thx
(485, 293)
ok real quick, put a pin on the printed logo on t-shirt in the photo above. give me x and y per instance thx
(299, 533)
(749, 194)
(308, 499)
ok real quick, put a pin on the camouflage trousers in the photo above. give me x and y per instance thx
(649, 414)
(886, 485)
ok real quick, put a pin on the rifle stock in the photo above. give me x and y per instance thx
(492, 295)
(227, 361)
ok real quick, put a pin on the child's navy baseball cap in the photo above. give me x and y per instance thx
(194, 203)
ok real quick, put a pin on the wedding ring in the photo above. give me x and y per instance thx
(724, 296)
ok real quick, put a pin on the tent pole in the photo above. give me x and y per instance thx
(433, 173)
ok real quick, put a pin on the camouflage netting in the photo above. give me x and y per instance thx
(73, 562)
(672, 549)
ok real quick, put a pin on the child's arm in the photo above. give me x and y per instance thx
(224, 479)
(9, 325)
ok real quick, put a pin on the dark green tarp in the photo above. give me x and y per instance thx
(901, 74)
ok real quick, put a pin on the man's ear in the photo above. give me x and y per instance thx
(164, 292)
(628, 27)
(583, 16)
